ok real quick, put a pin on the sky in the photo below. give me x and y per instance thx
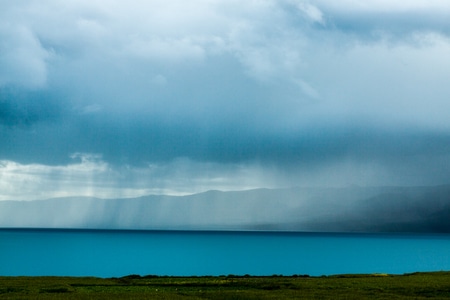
(128, 98)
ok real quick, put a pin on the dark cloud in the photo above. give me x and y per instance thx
(287, 88)
(137, 141)
(23, 108)
(377, 20)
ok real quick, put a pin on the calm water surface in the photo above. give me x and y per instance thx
(112, 253)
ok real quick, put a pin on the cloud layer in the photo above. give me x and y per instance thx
(259, 94)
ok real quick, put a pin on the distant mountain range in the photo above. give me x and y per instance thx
(352, 209)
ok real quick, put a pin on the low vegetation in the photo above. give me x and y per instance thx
(434, 285)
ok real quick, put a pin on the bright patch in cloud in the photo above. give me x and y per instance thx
(89, 175)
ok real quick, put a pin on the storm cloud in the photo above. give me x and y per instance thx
(180, 97)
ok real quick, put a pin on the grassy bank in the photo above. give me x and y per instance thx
(378, 286)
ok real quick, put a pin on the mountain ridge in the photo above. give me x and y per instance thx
(352, 209)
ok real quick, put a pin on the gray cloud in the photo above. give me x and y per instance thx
(296, 90)
(377, 18)
(22, 59)
(24, 108)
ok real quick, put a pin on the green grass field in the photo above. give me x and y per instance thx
(434, 285)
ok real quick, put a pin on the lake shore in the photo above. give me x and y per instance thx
(422, 285)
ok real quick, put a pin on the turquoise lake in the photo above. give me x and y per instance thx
(115, 253)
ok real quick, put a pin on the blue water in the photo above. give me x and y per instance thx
(119, 253)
